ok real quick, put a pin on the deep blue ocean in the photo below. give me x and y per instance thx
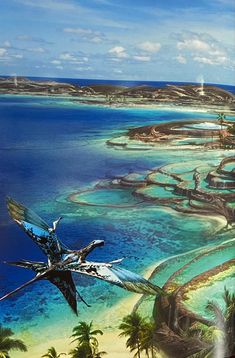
(51, 147)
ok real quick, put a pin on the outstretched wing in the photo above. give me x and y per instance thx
(36, 228)
(117, 276)
(64, 282)
(61, 279)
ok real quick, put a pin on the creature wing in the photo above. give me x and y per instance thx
(37, 229)
(117, 276)
(61, 279)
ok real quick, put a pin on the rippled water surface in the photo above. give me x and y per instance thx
(50, 148)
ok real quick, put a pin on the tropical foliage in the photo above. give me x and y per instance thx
(221, 335)
(148, 339)
(232, 129)
(140, 335)
(87, 343)
(8, 343)
(221, 119)
(51, 353)
(225, 320)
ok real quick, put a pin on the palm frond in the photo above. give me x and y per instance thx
(217, 313)
(5, 332)
(13, 344)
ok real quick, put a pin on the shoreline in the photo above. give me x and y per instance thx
(126, 106)
(102, 321)
(124, 305)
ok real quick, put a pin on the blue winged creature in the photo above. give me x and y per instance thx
(61, 261)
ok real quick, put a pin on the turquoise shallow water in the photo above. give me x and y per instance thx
(51, 148)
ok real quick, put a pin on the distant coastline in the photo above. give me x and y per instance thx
(127, 94)
(128, 83)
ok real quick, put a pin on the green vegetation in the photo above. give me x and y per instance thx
(232, 129)
(219, 335)
(145, 337)
(221, 119)
(51, 353)
(7, 343)
(225, 321)
(87, 343)
(140, 335)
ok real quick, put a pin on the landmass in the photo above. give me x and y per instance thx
(193, 188)
(204, 96)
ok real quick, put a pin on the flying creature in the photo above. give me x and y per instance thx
(62, 262)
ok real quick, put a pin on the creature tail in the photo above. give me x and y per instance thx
(82, 299)
(37, 277)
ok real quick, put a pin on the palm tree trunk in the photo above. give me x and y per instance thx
(138, 349)
(152, 351)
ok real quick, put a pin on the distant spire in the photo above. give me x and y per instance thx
(202, 93)
(15, 81)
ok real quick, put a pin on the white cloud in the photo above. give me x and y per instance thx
(33, 39)
(37, 49)
(56, 62)
(78, 30)
(7, 44)
(119, 52)
(6, 56)
(200, 44)
(3, 52)
(181, 59)
(211, 61)
(202, 48)
(117, 70)
(96, 39)
(56, 5)
(86, 34)
(24, 38)
(88, 68)
(60, 67)
(142, 58)
(18, 56)
(194, 45)
(148, 46)
(204, 60)
(66, 56)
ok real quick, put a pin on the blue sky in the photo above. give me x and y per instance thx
(171, 40)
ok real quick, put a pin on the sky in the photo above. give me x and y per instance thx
(146, 40)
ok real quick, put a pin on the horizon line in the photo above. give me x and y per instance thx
(118, 80)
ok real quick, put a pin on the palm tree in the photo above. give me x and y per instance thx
(222, 333)
(229, 299)
(99, 354)
(87, 342)
(51, 353)
(148, 340)
(133, 326)
(80, 352)
(225, 320)
(8, 344)
(211, 335)
(221, 118)
(83, 352)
